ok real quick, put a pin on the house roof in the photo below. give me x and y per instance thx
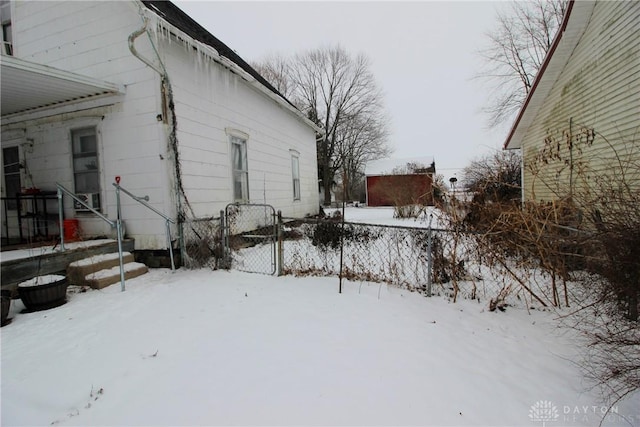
(176, 17)
(386, 166)
(27, 86)
(576, 19)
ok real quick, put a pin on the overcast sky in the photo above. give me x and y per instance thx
(423, 55)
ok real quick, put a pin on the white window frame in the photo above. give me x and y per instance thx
(239, 166)
(295, 174)
(93, 159)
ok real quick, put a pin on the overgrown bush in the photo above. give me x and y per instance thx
(588, 233)
(407, 211)
(444, 269)
(327, 234)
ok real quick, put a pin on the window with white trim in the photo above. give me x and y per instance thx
(240, 170)
(295, 174)
(86, 171)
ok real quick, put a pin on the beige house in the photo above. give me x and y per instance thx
(579, 128)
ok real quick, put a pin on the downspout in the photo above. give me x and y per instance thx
(173, 140)
(132, 39)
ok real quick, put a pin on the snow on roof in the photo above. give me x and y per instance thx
(386, 166)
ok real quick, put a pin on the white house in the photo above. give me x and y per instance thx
(92, 90)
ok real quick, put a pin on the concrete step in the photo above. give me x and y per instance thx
(78, 270)
(103, 278)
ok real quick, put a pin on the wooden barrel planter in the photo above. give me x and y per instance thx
(43, 292)
(6, 305)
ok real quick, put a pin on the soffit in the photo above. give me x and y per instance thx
(27, 86)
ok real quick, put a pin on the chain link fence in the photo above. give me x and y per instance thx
(425, 260)
(203, 240)
(431, 261)
(251, 235)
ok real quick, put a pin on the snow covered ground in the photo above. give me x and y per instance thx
(384, 216)
(230, 348)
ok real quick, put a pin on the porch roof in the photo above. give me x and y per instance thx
(27, 86)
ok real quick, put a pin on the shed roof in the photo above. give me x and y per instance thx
(576, 19)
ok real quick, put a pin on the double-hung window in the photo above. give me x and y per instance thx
(239, 169)
(295, 174)
(86, 172)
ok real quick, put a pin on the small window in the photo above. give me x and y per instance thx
(295, 174)
(7, 39)
(5, 18)
(11, 168)
(86, 171)
(239, 169)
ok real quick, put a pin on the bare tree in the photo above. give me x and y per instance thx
(338, 91)
(516, 51)
(275, 68)
(363, 138)
(494, 177)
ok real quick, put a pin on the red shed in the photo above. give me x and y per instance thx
(407, 183)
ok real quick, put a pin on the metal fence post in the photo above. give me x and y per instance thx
(60, 218)
(280, 244)
(429, 256)
(225, 242)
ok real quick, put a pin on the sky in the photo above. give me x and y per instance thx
(424, 56)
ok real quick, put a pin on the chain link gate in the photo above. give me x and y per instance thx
(250, 237)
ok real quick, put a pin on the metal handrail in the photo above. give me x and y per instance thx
(117, 224)
(143, 201)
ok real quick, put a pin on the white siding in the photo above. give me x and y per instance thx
(91, 38)
(210, 100)
(598, 89)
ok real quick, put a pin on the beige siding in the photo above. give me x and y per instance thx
(589, 125)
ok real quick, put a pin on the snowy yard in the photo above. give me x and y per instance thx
(228, 348)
